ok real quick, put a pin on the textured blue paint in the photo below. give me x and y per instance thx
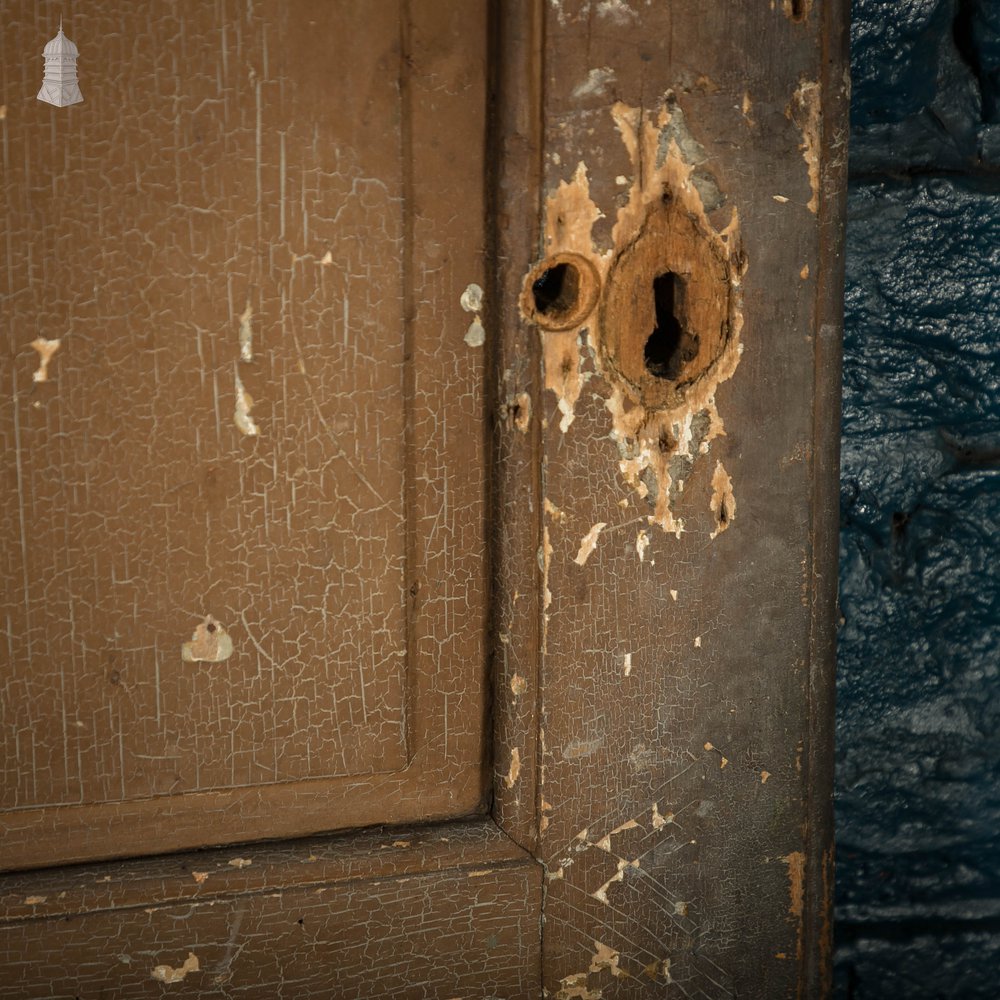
(918, 729)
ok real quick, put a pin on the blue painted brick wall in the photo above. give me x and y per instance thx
(918, 728)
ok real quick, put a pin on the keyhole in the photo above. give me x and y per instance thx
(670, 347)
(556, 290)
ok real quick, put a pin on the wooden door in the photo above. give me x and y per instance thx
(417, 541)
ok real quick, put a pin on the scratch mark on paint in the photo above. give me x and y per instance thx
(45, 349)
(804, 111)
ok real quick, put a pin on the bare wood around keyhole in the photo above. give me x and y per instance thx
(673, 241)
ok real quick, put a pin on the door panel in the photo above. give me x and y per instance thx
(407, 913)
(608, 482)
(242, 536)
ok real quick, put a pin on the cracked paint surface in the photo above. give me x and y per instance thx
(658, 443)
(255, 413)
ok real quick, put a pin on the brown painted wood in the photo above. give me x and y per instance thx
(688, 537)
(660, 658)
(264, 201)
(407, 912)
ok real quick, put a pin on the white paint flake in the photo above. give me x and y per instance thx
(597, 83)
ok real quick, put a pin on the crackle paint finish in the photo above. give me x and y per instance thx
(419, 500)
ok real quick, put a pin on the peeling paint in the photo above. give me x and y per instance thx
(472, 298)
(796, 862)
(210, 643)
(606, 958)
(168, 974)
(660, 426)
(246, 334)
(472, 301)
(575, 988)
(764, 775)
(475, 336)
(605, 842)
(200, 877)
(627, 665)
(589, 542)
(244, 404)
(45, 348)
(34, 900)
(515, 412)
(597, 83)
(804, 111)
(723, 503)
(641, 544)
(514, 771)
(659, 820)
(617, 11)
(518, 685)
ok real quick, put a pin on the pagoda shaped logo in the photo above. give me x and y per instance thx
(59, 86)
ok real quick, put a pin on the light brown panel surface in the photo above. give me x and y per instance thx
(408, 913)
(688, 542)
(264, 202)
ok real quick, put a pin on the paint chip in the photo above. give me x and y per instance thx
(628, 664)
(476, 335)
(589, 543)
(246, 334)
(167, 974)
(514, 770)
(244, 404)
(641, 544)
(723, 502)
(472, 298)
(518, 685)
(210, 643)
(45, 349)
(596, 85)
(240, 863)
